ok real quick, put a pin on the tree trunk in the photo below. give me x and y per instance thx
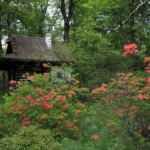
(67, 16)
(66, 31)
(1, 49)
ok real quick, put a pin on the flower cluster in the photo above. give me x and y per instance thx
(95, 137)
(147, 60)
(130, 49)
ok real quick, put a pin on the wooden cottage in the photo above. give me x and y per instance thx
(27, 54)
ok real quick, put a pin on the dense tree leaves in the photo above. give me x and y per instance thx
(95, 30)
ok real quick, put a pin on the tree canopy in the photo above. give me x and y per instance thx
(96, 31)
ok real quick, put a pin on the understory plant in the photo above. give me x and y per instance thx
(30, 138)
(125, 102)
(48, 101)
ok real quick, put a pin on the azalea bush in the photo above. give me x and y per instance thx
(47, 102)
(125, 102)
(95, 134)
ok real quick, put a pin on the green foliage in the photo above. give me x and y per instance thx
(126, 103)
(97, 61)
(94, 124)
(93, 27)
(30, 138)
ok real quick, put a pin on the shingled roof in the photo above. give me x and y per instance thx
(24, 48)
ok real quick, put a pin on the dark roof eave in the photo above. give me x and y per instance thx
(33, 60)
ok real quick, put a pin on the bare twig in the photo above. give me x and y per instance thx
(131, 14)
(142, 22)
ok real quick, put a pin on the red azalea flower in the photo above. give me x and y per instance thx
(59, 132)
(21, 116)
(20, 108)
(77, 128)
(39, 119)
(95, 137)
(25, 122)
(110, 123)
(77, 111)
(26, 118)
(75, 120)
(59, 121)
(69, 124)
(15, 103)
(147, 59)
(45, 65)
(69, 95)
(139, 130)
(47, 105)
(61, 103)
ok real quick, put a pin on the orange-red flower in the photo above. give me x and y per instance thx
(15, 103)
(74, 135)
(148, 71)
(130, 49)
(23, 76)
(139, 130)
(75, 120)
(77, 111)
(59, 121)
(25, 122)
(26, 118)
(45, 65)
(77, 81)
(69, 124)
(77, 128)
(59, 132)
(12, 82)
(69, 95)
(47, 105)
(102, 89)
(20, 108)
(142, 96)
(43, 117)
(95, 137)
(38, 89)
(110, 123)
(21, 116)
(19, 83)
(130, 46)
(31, 78)
(39, 119)
(147, 59)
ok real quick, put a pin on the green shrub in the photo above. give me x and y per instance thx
(30, 138)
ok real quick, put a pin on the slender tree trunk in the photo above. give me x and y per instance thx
(67, 16)
(66, 31)
(1, 49)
